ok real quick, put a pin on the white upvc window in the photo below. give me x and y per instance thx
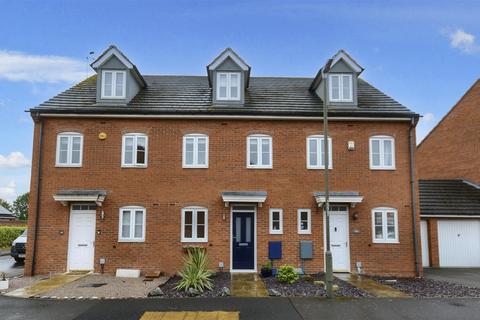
(382, 153)
(385, 225)
(134, 150)
(276, 221)
(341, 87)
(194, 224)
(304, 221)
(316, 152)
(69, 149)
(195, 151)
(132, 224)
(228, 86)
(259, 151)
(114, 84)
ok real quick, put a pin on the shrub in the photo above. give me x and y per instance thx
(8, 234)
(287, 273)
(195, 273)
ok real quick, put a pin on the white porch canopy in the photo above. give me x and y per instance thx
(349, 197)
(80, 195)
(257, 197)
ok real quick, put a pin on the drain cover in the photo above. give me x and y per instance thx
(93, 285)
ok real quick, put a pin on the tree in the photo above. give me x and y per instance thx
(6, 205)
(20, 206)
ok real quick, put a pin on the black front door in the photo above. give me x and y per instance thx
(243, 241)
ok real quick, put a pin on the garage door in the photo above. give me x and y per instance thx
(459, 243)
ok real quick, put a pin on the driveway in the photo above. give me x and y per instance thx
(10, 267)
(464, 276)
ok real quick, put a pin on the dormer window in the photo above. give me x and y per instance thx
(113, 84)
(228, 86)
(341, 89)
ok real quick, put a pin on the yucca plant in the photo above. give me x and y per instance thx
(195, 273)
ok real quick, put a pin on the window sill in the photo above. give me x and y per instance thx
(68, 165)
(194, 167)
(386, 242)
(304, 233)
(112, 98)
(134, 166)
(255, 167)
(319, 168)
(194, 240)
(383, 168)
(131, 240)
(273, 233)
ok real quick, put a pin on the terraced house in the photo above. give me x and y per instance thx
(130, 168)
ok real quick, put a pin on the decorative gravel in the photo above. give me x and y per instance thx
(305, 287)
(220, 280)
(427, 288)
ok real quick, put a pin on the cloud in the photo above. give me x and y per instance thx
(427, 117)
(9, 191)
(463, 41)
(19, 66)
(14, 160)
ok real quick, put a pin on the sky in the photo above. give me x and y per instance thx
(424, 54)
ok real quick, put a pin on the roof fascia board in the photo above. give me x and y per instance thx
(173, 116)
(342, 55)
(228, 53)
(473, 216)
(113, 51)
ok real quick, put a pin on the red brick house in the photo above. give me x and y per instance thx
(448, 165)
(129, 169)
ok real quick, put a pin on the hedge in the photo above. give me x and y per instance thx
(8, 234)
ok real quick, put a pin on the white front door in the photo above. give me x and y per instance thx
(339, 239)
(81, 247)
(424, 236)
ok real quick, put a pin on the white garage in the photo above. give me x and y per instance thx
(459, 243)
(450, 221)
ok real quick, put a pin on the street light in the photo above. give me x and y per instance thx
(328, 253)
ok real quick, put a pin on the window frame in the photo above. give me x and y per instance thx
(309, 216)
(194, 237)
(270, 221)
(259, 137)
(70, 136)
(114, 84)
(384, 211)
(135, 148)
(340, 88)
(320, 157)
(195, 151)
(131, 238)
(229, 86)
(382, 166)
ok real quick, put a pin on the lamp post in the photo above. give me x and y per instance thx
(328, 253)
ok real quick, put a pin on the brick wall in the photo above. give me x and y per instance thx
(452, 148)
(164, 188)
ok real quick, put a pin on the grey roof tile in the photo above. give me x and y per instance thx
(192, 95)
(449, 197)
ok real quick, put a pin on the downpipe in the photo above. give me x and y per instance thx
(413, 195)
(37, 196)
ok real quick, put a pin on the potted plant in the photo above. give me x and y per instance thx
(266, 270)
(3, 282)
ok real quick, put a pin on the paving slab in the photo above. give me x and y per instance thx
(191, 315)
(248, 285)
(371, 286)
(43, 286)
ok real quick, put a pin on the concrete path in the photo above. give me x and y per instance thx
(371, 286)
(249, 308)
(44, 286)
(464, 276)
(191, 315)
(248, 285)
(10, 267)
